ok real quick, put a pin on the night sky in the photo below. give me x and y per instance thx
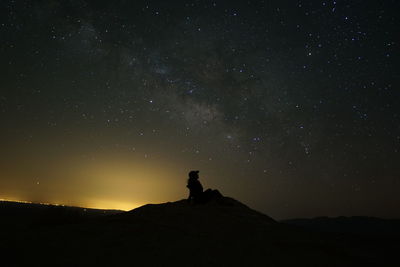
(291, 107)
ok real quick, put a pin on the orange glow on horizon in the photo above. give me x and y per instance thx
(108, 181)
(100, 204)
(113, 205)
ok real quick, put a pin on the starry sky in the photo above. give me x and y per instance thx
(291, 107)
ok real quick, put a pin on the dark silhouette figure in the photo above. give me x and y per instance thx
(195, 187)
(196, 194)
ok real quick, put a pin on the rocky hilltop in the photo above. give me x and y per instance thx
(222, 232)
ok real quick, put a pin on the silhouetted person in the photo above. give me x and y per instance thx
(195, 187)
(196, 194)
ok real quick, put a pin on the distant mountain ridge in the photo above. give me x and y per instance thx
(33, 213)
(361, 225)
(9, 204)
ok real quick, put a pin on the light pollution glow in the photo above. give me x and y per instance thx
(103, 182)
(101, 204)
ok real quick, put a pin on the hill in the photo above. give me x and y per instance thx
(224, 232)
(358, 225)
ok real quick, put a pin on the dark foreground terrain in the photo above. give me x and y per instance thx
(219, 233)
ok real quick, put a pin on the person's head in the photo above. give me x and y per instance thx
(194, 174)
